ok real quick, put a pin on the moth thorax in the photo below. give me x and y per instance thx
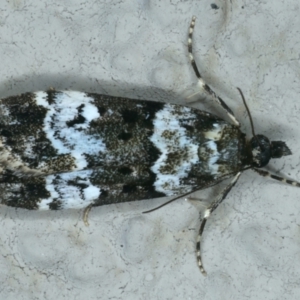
(263, 150)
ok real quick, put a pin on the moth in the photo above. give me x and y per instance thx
(71, 149)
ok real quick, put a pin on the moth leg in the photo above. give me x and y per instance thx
(203, 85)
(86, 214)
(202, 201)
(194, 199)
(281, 179)
(207, 214)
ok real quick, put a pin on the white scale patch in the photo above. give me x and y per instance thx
(213, 135)
(165, 121)
(72, 140)
(165, 124)
(214, 156)
(70, 196)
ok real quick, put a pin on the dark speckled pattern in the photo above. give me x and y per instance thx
(71, 149)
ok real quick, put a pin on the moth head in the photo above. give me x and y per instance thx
(263, 150)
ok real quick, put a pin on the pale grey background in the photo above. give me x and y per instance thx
(251, 247)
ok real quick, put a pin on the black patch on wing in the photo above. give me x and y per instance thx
(22, 192)
(125, 136)
(51, 96)
(79, 119)
(55, 205)
(102, 110)
(130, 116)
(129, 188)
(125, 170)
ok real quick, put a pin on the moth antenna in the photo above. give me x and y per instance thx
(192, 95)
(250, 117)
(248, 111)
(162, 205)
